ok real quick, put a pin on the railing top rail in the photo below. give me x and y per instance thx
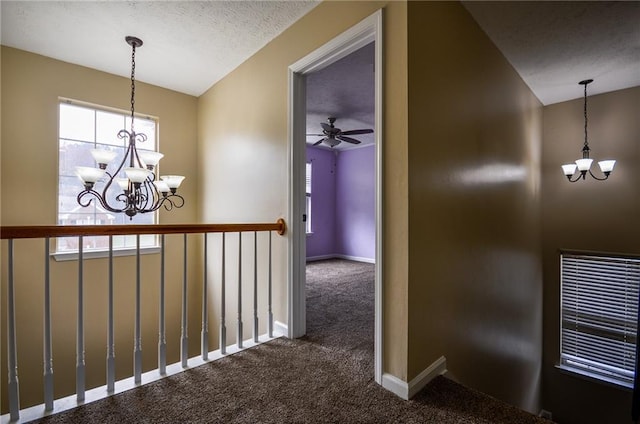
(41, 231)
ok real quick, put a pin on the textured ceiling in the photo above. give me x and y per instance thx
(346, 91)
(553, 44)
(188, 45)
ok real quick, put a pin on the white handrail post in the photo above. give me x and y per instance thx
(269, 301)
(111, 360)
(223, 327)
(239, 333)
(255, 287)
(162, 341)
(80, 367)
(204, 343)
(12, 354)
(137, 342)
(184, 339)
(48, 360)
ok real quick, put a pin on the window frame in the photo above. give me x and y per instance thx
(308, 182)
(129, 248)
(569, 359)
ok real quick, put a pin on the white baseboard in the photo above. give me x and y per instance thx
(357, 259)
(320, 258)
(341, 256)
(408, 390)
(64, 404)
(280, 329)
(396, 386)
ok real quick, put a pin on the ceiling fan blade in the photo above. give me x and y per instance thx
(326, 127)
(348, 139)
(315, 135)
(319, 141)
(354, 132)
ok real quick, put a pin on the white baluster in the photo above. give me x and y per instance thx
(255, 286)
(111, 359)
(184, 340)
(269, 306)
(162, 341)
(12, 361)
(239, 333)
(204, 342)
(137, 338)
(223, 327)
(80, 367)
(48, 360)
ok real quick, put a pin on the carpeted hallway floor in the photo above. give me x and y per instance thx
(325, 377)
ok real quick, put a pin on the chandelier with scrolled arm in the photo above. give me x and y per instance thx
(140, 191)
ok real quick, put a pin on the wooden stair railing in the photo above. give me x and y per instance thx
(49, 406)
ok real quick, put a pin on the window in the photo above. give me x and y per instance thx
(599, 315)
(83, 127)
(308, 198)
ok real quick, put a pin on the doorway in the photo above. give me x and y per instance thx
(367, 31)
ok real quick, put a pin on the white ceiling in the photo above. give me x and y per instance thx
(190, 45)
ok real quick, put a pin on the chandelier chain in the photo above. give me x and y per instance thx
(586, 144)
(133, 82)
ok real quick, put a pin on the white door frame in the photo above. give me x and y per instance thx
(368, 30)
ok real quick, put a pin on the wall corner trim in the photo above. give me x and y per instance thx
(280, 329)
(408, 390)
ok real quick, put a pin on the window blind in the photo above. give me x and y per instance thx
(599, 308)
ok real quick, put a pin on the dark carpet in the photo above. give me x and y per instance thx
(325, 377)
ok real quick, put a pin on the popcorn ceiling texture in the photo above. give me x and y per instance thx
(553, 45)
(188, 45)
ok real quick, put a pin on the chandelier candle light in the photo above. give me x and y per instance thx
(584, 165)
(141, 191)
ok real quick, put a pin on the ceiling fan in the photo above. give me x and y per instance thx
(332, 136)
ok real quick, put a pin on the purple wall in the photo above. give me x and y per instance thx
(342, 203)
(355, 203)
(322, 241)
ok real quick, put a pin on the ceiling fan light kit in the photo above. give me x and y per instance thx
(140, 192)
(332, 136)
(583, 166)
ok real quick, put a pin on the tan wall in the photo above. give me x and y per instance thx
(475, 286)
(588, 215)
(31, 87)
(243, 127)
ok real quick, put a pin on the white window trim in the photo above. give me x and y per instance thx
(104, 252)
(308, 203)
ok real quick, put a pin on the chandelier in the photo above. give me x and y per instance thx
(584, 165)
(140, 191)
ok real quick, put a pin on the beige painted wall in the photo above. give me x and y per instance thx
(461, 170)
(475, 286)
(31, 87)
(243, 151)
(589, 215)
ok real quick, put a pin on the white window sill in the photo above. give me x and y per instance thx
(94, 254)
(596, 378)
